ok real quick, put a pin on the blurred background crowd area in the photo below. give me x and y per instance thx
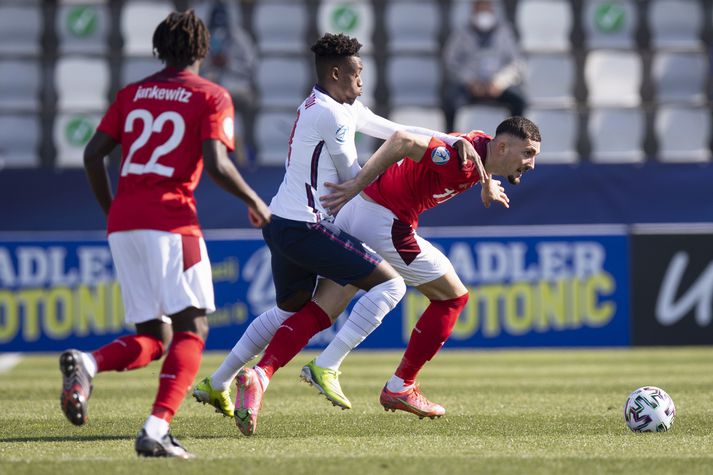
(607, 81)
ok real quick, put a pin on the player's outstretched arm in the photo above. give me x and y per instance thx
(100, 145)
(223, 171)
(399, 145)
(382, 128)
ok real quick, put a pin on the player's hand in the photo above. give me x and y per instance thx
(340, 195)
(493, 90)
(476, 88)
(466, 152)
(492, 190)
(259, 214)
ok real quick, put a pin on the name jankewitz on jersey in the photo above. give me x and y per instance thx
(163, 94)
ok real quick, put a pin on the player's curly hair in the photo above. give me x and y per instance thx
(519, 127)
(331, 50)
(336, 45)
(181, 39)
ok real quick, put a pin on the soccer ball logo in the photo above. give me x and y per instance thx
(649, 409)
(440, 156)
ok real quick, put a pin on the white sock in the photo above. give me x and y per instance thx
(366, 316)
(264, 380)
(397, 385)
(90, 363)
(252, 343)
(156, 427)
(333, 355)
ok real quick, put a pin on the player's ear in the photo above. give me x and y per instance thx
(334, 72)
(503, 146)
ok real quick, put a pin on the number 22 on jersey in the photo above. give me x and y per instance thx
(149, 126)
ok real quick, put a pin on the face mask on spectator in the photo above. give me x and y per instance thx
(484, 21)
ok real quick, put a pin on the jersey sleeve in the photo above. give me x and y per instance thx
(218, 120)
(338, 136)
(111, 122)
(382, 128)
(442, 158)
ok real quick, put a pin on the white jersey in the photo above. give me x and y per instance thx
(322, 149)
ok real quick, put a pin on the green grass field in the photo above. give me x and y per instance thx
(534, 411)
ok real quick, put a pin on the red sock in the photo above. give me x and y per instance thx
(428, 336)
(128, 352)
(177, 373)
(292, 336)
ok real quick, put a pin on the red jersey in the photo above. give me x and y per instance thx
(409, 188)
(161, 123)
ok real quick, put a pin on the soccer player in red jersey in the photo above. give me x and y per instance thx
(169, 126)
(385, 217)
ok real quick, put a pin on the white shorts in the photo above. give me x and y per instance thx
(416, 259)
(161, 273)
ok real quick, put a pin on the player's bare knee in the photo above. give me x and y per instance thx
(380, 274)
(192, 320)
(158, 330)
(295, 301)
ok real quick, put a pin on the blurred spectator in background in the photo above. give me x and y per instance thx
(232, 62)
(484, 63)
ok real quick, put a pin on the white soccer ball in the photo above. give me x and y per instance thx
(649, 409)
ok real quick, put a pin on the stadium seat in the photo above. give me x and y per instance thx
(82, 83)
(680, 77)
(19, 140)
(368, 79)
(559, 128)
(272, 134)
(20, 28)
(283, 82)
(479, 117)
(613, 78)
(136, 68)
(675, 24)
(550, 79)
(544, 25)
(351, 17)
(429, 117)
(82, 27)
(280, 26)
(413, 81)
(139, 20)
(19, 85)
(609, 23)
(616, 135)
(71, 134)
(683, 134)
(412, 26)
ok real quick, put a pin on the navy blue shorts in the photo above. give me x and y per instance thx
(302, 251)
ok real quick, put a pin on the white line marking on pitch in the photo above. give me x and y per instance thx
(9, 361)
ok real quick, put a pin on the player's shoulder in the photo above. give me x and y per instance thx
(475, 135)
(327, 112)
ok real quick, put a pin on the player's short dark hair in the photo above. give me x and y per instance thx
(520, 127)
(181, 39)
(332, 49)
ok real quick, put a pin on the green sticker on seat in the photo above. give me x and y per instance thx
(82, 20)
(345, 18)
(609, 17)
(78, 131)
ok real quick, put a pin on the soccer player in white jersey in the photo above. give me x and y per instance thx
(303, 240)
